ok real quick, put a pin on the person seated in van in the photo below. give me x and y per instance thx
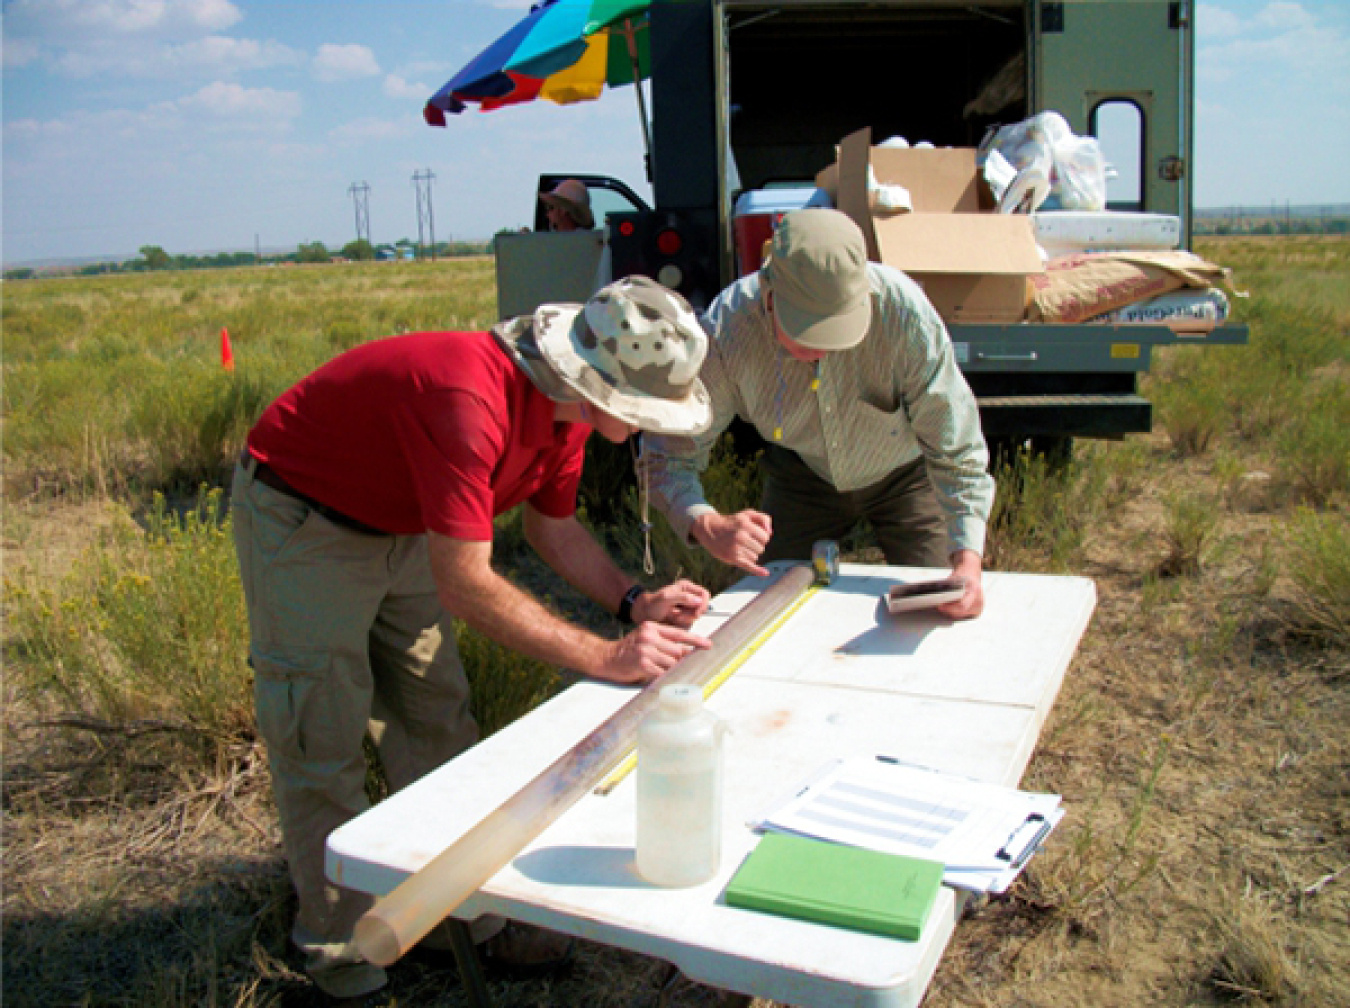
(846, 370)
(568, 207)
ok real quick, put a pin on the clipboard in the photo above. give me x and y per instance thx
(1025, 840)
(982, 833)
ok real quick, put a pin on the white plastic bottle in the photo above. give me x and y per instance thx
(679, 790)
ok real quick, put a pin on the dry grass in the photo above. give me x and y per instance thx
(1201, 739)
(1203, 751)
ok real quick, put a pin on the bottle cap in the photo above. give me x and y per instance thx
(681, 699)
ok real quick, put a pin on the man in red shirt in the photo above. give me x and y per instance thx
(363, 511)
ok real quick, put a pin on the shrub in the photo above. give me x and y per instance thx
(1251, 962)
(1041, 512)
(503, 684)
(193, 422)
(1319, 566)
(1190, 526)
(606, 480)
(1314, 446)
(1192, 406)
(148, 625)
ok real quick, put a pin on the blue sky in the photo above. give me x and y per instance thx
(201, 125)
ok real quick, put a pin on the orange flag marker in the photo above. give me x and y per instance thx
(226, 351)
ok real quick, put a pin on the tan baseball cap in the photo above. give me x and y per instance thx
(817, 270)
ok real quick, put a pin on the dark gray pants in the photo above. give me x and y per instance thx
(902, 509)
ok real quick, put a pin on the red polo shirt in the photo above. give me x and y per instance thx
(435, 431)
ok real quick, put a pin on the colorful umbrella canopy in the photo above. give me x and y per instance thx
(563, 50)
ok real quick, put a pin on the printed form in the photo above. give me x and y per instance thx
(981, 832)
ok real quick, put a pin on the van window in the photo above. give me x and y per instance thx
(1119, 126)
(608, 201)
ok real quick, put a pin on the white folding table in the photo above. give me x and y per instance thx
(841, 677)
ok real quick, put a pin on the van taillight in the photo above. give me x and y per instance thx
(669, 242)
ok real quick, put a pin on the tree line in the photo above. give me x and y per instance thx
(1270, 225)
(154, 257)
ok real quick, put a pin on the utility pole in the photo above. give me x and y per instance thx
(422, 180)
(361, 198)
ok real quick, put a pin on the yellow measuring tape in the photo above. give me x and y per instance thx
(737, 660)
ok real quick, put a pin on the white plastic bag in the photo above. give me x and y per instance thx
(1046, 149)
(887, 199)
(1080, 174)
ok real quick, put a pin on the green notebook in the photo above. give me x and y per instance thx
(835, 884)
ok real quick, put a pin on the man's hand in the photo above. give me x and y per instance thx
(677, 604)
(647, 653)
(967, 564)
(736, 539)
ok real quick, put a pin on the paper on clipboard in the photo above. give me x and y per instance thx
(982, 832)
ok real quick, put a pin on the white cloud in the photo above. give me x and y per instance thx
(1282, 15)
(221, 107)
(1282, 42)
(211, 56)
(396, 87)
(1217, 22)
(31, 129)
(360, 131)
(20, 52)
(255, 108)
(63, 22)
(344, 62)
(223, 54)
(136, 38)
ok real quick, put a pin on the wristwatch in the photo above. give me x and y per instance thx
(625, 612)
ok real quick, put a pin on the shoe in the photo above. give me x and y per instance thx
(523, 952)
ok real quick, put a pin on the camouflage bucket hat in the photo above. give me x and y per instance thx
(634, 350)
(517, 337)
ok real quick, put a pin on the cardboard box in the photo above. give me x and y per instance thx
(971, 262)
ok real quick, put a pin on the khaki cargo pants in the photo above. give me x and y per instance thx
(902, 509)
(347, 638)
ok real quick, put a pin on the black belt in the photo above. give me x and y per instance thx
(269, 477)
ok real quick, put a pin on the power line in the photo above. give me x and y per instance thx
(361, 198)
(422, 180)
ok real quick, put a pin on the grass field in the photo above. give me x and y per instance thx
(1201, 739)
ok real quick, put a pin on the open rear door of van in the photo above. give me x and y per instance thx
(1123, 70)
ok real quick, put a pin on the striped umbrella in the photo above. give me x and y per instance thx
(564, 50)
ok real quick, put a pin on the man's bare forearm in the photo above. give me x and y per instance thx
(566, 546)
(470, 589)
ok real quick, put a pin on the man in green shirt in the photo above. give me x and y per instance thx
(846, 370)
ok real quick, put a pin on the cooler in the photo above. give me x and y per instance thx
(758, 212)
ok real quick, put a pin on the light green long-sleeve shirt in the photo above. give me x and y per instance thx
(896, 396)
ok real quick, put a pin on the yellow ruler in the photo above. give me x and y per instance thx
(736, 661)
